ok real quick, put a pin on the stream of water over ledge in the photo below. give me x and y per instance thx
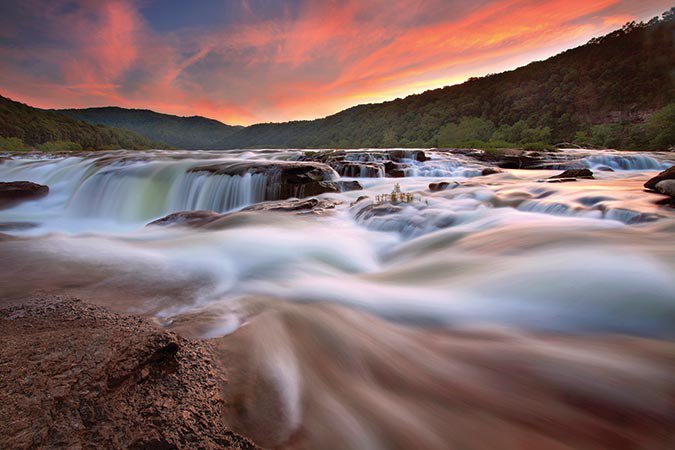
(492, 310)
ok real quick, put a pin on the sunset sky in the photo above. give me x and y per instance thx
(243, 62)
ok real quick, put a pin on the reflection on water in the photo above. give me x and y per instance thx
(501, 312)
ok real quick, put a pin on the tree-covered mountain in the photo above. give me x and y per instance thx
(603, 93)
(181, 132)
(23, 127)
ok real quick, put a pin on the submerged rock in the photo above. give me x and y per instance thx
(16, 226)
(78, 376)
(14, 192)
(668, 174)
(575, 173)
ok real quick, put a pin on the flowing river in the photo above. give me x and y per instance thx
(498, 311)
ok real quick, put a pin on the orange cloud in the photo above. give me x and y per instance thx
(300, 59)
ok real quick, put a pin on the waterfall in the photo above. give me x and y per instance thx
(138, 189)
(625, 162)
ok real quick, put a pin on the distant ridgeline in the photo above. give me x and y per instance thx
(180, 132)
(23, 127)
(617, 91)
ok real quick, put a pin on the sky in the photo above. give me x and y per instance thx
(251, 61)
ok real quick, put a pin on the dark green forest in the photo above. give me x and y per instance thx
(615, 91)
(23, 127)
(180, 132)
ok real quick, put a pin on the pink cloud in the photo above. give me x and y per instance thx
(302, 63)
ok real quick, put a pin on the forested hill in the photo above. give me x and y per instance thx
(180, 132)
(599, 93)
(23, 127)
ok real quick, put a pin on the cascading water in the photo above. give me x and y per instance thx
(616, 161)
(136, 189)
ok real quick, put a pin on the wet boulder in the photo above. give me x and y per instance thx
(197, 219)
(378, 210)
(415, 155)
(301, 206)
(186, 218)
(490, 171)
(356, 169)
(284, 179)
(14, 192)
(394, 170)
(442, 185)
(345, 186)
(666, 187)
(574, 173)
(668, 174)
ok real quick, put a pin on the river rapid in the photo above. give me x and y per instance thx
(503, 311)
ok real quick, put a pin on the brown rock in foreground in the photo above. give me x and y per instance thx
(78, 376)
(14, 192)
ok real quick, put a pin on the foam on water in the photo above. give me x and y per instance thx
(363, 254)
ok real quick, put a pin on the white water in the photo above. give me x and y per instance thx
(501, 251)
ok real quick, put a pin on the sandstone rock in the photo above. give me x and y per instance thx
(490, 171)
(202, 218)
(285, 178)
(441, 186)
(666, 187)
(398, 155)
(668, 174)
(187, 218)
(78, 376)
(349, 186)
(575, 173)
(313, 205)
(14, 192)
(369, 163)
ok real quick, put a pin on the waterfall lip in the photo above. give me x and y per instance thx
(242, 167)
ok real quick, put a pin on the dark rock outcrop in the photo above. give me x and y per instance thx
(668, 174)
(285, 179)
(345, 186)
(78, 376)
(490, 171)
(398, 155)
(311, 205)
(372, 163)
(575, 173)
(201, 218)
(14, 192)
(186, 218)
(441, 186)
